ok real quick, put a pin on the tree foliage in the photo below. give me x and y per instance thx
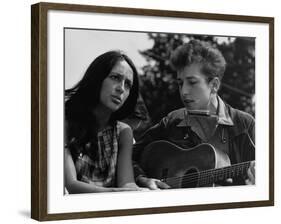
(158, 82)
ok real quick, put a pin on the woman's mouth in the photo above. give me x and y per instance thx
(116, 99)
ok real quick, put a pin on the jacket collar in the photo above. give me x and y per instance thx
(239, 124)
(223, 114)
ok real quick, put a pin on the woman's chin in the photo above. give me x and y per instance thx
(114, 107)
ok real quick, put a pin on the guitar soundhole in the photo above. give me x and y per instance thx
(190, 178)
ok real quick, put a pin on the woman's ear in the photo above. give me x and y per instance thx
(215, 85)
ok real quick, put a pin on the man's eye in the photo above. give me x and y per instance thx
(192, 82)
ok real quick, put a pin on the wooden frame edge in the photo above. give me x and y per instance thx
(39, 110)
(271, 111)
(154, 12)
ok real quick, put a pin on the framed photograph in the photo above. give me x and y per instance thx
(68, 41)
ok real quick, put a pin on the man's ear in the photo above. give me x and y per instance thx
(215, 84)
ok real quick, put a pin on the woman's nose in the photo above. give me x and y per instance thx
(121, 87)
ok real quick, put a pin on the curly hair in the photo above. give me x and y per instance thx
(199, 52)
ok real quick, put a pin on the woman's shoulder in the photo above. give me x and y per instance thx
(124, 131)
(122, 126)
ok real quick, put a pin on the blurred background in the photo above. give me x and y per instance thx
(158, 86)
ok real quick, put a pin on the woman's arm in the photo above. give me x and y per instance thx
(75, 186)
(125, 174)
(157, 132)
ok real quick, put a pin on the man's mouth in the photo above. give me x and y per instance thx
(188, 101)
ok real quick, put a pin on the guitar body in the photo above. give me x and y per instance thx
(170, 163)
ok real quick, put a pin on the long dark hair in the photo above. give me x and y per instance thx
(81, 99)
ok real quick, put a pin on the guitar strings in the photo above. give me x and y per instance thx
(199, 180)
(205, 174)
(204, 177)
(235, 166)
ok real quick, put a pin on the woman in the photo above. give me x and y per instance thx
(98, 146)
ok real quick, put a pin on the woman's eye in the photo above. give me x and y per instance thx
(114, 77)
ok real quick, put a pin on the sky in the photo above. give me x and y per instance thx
(83, 46)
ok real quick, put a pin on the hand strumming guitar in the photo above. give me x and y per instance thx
(151, 183)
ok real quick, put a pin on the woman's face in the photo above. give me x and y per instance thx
(194, 89)
(116, 86)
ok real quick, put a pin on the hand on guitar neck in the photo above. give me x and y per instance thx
(251, 174)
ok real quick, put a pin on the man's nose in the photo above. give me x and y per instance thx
(185, 90)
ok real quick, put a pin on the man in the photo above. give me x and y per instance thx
(205, 118)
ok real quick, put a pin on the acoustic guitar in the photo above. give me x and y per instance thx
(199, 166)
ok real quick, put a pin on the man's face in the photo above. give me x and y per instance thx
(194, 88)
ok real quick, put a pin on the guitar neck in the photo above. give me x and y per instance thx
(211, 176)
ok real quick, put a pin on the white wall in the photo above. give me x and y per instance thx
(15, 111)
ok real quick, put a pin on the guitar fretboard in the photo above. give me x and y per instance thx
(211, 176)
